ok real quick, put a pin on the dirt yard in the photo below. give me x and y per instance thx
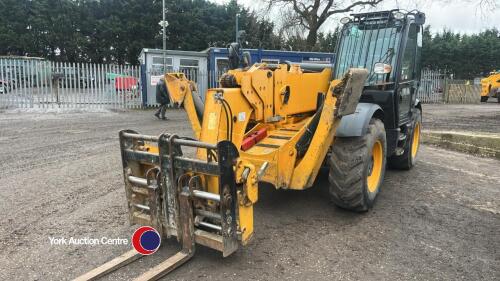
(484, 118)
(60, 176)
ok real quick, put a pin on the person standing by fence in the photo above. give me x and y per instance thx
(162, 97)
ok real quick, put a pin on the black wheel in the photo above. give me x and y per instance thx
(408, 159)
(494, 93)
(484, 98)
(357, 168)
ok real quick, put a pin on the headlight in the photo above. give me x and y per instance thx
(398, 15)
(382, 68)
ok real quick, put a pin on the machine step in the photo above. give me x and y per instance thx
(402, 137)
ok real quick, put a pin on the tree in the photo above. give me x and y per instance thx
(328, 42)
(312, 14)
(12, 28)
(116, 30)
(465, 56)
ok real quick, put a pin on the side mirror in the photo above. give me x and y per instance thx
(420, 18)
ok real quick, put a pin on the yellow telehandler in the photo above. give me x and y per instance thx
(277, 124)
(490, 87)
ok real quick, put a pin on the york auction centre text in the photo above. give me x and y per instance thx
(87, 241)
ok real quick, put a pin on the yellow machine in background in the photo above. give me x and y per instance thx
(490, 87)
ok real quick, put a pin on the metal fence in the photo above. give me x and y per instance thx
(436, 87)
(28, 83)
(431, 86)
(462, 92)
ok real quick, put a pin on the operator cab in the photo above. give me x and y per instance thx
(375, 41)
(388, 44)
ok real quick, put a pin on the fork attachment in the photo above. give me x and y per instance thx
(169, 191)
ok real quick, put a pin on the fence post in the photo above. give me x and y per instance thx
(100, 85)
(41, 86)
(464, 98)
(446, 91)
(49, 82)
(55, 82)
(5, 89)
(30, 83)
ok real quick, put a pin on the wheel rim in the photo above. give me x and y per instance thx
(416, 140)
(375, 168)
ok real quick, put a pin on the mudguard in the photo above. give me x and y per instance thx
(356, 124)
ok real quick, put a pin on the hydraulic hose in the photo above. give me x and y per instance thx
(305, 140)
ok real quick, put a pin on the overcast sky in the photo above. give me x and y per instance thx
(464, 16)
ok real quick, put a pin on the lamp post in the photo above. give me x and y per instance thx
(237, 19)
(164, 25)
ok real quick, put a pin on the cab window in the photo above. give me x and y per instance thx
(409, 56)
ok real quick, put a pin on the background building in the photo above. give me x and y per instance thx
(205, 67)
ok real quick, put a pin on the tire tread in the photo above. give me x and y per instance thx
(347, 164)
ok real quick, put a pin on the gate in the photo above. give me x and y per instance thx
(432, 86)
(36, 83)
(462, 92)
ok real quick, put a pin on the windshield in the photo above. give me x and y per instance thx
(363, 45)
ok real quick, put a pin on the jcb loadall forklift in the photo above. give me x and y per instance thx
(278, 124)
(490, 86)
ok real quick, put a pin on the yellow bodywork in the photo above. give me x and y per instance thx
(284, 102)
(490, 84)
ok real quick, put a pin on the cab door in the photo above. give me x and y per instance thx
(408, 76)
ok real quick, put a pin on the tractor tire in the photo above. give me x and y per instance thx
(408, 159)
(484, 98)
(495, 93)
(357, 168)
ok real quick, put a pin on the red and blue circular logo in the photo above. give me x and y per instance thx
(146, 240)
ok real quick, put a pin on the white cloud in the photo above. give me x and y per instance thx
(464, 16)
(459, 16)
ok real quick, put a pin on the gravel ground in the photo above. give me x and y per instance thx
(481, 118)
(60, 176)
